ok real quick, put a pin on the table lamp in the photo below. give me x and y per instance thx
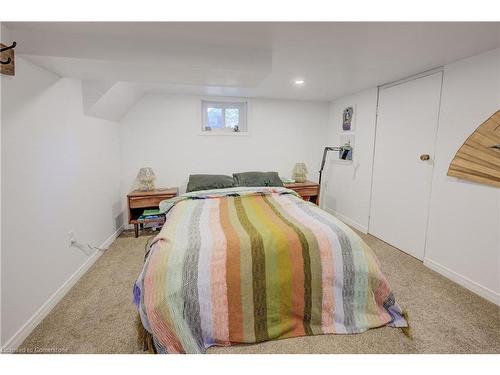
(300, 172)
(146, 178)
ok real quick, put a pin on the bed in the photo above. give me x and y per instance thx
(245, 265)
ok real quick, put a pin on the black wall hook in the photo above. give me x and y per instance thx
(6, 49)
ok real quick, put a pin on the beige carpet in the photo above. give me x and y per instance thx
(97, 315)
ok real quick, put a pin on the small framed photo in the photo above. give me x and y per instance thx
(348, 118)
(347, 141)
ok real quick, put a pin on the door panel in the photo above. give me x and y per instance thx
(406, 131)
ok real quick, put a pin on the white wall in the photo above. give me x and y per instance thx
(60, 172)
(346, 187)
(163, 131)
(464, 222)
(3, 36)
(463, 240)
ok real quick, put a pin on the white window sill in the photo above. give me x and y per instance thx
(223, 133)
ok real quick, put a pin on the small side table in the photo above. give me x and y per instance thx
(138, 201)
(308, 190)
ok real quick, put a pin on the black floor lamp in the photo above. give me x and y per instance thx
(344, 151)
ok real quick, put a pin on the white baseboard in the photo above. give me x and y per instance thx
(17, 339)
(467, 283)
(347, 220)
(113, 237)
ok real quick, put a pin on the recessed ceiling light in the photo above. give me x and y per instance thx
(299, 82)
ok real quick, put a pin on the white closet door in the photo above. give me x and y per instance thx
(406, 132)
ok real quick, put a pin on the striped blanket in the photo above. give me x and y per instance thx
(246, 265)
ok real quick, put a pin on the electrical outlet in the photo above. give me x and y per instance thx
(71, 237)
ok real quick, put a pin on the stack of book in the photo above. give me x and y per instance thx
(151, 214)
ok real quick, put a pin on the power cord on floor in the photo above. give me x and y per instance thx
(85, 247)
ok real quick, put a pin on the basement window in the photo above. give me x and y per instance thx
(221, 117)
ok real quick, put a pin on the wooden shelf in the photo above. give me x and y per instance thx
(138, 201)
(148, 221)
(308, 190)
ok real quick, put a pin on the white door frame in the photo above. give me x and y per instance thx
(395, 83)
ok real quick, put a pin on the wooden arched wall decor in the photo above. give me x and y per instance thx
(478, 159)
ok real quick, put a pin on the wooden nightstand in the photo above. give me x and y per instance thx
(138, 201)
(308, 190)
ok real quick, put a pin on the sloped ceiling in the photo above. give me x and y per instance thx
(118, 62)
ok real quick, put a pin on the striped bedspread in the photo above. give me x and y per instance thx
(246, 265)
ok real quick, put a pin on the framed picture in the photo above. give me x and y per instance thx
(345, 156)
(348, 119)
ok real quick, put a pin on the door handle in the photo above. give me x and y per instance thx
(425, 157)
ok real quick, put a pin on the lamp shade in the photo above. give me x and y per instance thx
(146, 178)
(300, 172)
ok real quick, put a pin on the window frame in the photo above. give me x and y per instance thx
(224, 104)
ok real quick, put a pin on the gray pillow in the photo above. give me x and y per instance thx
(209, 181)
(257, 179)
